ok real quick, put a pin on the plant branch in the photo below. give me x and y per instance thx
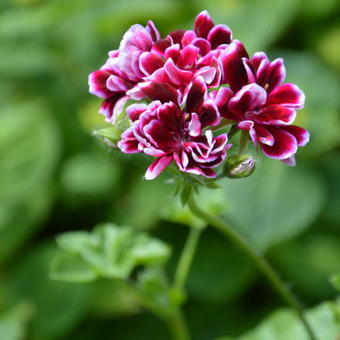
(261, 263)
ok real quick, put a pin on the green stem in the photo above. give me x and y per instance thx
(178, 327)
(262, 264)
(186, 258)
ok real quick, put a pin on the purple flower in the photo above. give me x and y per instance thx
(259, 102)
(164, 131)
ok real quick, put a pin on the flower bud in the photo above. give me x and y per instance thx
(239, 166)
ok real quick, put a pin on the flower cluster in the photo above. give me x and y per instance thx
(187, 86)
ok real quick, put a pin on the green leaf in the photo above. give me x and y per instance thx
(274, 204)
(108, 251)
(13, 324)
(335, 281)
(284, 325)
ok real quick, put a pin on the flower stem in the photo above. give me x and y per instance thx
(186, 258)
(178, 327)
(262, 264)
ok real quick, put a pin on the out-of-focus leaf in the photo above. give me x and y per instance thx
(109, 251)
(275, 203)
(320, 115)
(220, 271)
(58, 306)
(284, 325)
(13, 324)
(335, 281)
(318, 254)
(329, 47)
(29, 149)
(261, 26)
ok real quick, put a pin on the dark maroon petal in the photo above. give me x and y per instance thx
(250, 97)
(160, 46)
(159, 91)
(287, 94)
(274, 115)
(234, 72)
(196, 95)
(301, 135)
(150, 62)
(177, 76)
(170, 116)
(284, 146)
(261, 65)
(203, 45)
(135, 110)
(97, 84)
(220, 34)
(106, 108)
(153, 31)
(177, 36)
(276, 74)
(157, 167)
(208, 114)
(159, 136)
(249, 70)
(203, 24)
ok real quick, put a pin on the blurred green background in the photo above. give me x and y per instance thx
(55, 176)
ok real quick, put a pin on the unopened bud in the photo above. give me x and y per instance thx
(239, 166)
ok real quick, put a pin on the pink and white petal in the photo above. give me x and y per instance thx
(250, 73)
(287, 94)
(107, 106)
(276, 74)
(157, 167)
(222, 99)
(150, 62)
(159, 91)
(188, 37)
(290, 161)
(301, 135)
(209, 114)
(208, 73)
(285, 145)
(128, 143)
(177, 76)
(118, 108)
(203, 24)
(136, 38)
(97, 84)
(234, 72)
(188, 56)
(260, 134)
(218, 35)
(151, 151)
(194, 126)
(136, 93)
(135, 110)
(274, 115)
(249, 98)
(153, 31)
(117, 84)
(172, 52)
(196, 94)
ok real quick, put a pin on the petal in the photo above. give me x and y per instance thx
(128, 143)
(203, 45)
(117, 84)
(136, 38)
(301, 135)
(177, 36)
(277, 74)
(196, 95)
(287, 94)
(135, 110)
(177, 76)
(208, 114)
(260, 134)
(153, 31)
(159, 91)
(157, 167)
(274, 115)
(250, 97)
(194, 126)
(188, 38)
(203, 24)
(234, 72)
(207, 73)
(187, 56)
(290, 161)
(150, 62)
(285, 145)
(220, 34)
(97, 84)
(170, 116)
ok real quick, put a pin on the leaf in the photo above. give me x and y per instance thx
(274, 204)
(335, 281)
(59, 307)
(13, 324)
(108, 251)
(284, 325)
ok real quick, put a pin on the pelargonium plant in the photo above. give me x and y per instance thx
(183, 100)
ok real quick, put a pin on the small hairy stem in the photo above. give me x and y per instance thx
(186, 258)
(261, 263)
